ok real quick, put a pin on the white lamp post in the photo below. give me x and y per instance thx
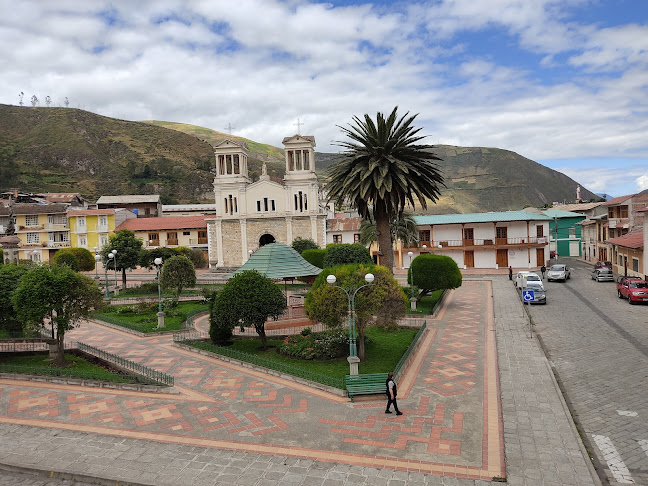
(105, 265)
(160, 314)
(97, 260)
(250, 254)
(114, 257)
(351, 293)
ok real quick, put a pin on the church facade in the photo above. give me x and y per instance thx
(252, 214)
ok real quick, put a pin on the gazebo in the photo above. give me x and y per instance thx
(278, 261)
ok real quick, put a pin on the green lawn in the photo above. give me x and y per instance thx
(80, 368)
(146, 321)
(426, 304)
(383, 354)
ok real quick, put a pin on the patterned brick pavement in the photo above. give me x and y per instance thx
(451, 426)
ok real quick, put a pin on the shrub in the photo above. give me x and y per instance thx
(306, 331)
(66, 260)
(315, 257)
(329, 344)
(435, 272)
(344, 254)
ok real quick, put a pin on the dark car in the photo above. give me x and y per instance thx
(598, 265)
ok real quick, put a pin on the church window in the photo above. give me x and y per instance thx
(221, 165)
(226, 206)
(290, 160)
(258, 206)
(306, 160)
(237, 165)
(273, 205)
(296, 203)
(305, 203)
(265, 203)
(298, 160)
(235, 206)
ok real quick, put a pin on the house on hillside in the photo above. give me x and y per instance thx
(484, 240)
(72, 199)
(171, 231)
(90, 228)
(252, 214)
(144, 206)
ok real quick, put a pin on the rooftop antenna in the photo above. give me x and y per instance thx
(229, 128)
(299, 124)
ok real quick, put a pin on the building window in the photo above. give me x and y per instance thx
(31, 221)
(154, 239)
(186, 233)
(610, 213)
(623, 212)
(202, 237)
(81, 223)
(103, 240)
(265, 204)
(337, 238)
(258, 206)
(540, 231)
(572, 232)
(635, 265)
(172, 238)
(424, 237)
(35, 256)
(356, 237)
(33, 238)
(103, 221)
(83, 241)
(273, 205)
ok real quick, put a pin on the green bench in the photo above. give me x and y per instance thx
(367, 384)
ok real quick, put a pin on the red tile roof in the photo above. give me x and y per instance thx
(633, 240)
(90, 212)
(344, 224)
(165, 223)
(617, 200)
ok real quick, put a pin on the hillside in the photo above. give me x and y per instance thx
(70, 150)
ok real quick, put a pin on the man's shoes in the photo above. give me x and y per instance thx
(399, 413)
(387, 411)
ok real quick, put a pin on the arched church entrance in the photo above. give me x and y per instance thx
(266, 239)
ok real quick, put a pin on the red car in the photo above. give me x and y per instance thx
(632, 288)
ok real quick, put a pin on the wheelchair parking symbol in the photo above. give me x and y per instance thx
(528, 295)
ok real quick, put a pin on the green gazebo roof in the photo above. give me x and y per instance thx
(278, 261)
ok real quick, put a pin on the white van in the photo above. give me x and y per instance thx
(531, 281)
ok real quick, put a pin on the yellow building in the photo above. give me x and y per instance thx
(42, 229)
(90, 228)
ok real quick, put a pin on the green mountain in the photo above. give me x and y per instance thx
(71, 150)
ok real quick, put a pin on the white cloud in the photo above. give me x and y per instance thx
(642, 182)
(261, 64)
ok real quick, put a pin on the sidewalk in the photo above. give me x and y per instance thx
(235, 426)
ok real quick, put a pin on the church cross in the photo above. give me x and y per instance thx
(229, 128)
(299, 124)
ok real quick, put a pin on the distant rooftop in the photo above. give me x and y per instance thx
(499, 216)
(129, 199)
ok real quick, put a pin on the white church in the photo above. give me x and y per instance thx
(252, 214)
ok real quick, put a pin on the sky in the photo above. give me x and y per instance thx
(561, 82)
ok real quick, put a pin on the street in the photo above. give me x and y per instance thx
(598, 347)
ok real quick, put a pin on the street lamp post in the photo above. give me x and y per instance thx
(411, 270)
(351, 293)
(105, 265)
(114, 256)
(160, 314)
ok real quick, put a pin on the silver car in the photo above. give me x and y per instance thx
(559, 271)
(603, 274)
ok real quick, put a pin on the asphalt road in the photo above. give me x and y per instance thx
(598, 347)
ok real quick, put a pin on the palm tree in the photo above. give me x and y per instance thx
(403, 228)
(384, 169)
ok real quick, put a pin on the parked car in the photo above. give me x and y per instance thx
(632, 288)
(598, 265)
(603, 274)
(531, 281)
(559, 271)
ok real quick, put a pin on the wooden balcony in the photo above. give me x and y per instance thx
(172, 242)
(471, 244)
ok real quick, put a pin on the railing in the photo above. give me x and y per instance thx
(336, 382)
(413, 345)
(58, 244)
(437, 245)
(18, 345)
(172, 241)
(102, 228)
(149, 373)
(58, 226)
(199, 241)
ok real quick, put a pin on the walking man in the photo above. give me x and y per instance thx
(391, 391)
(543, 269)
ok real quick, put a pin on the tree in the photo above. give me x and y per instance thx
(147, 257)
(346, 253)
(384, 169)
(384, 298)
(196, 255)
(248, 299)
(67, 259)
(78, 259)
(128, 252)
(434, 272)
(58, 294)
(315, 257)
(300, 244)
(9, 277)
(178, 272)
(403, 228)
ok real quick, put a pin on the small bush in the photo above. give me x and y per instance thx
(344, 254)
(320, 345)
(306, 331)
(315, 257)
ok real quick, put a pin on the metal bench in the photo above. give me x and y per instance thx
(367, 384)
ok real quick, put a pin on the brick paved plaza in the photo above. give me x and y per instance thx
(233, 425)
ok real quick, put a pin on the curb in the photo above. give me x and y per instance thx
(44, 473)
